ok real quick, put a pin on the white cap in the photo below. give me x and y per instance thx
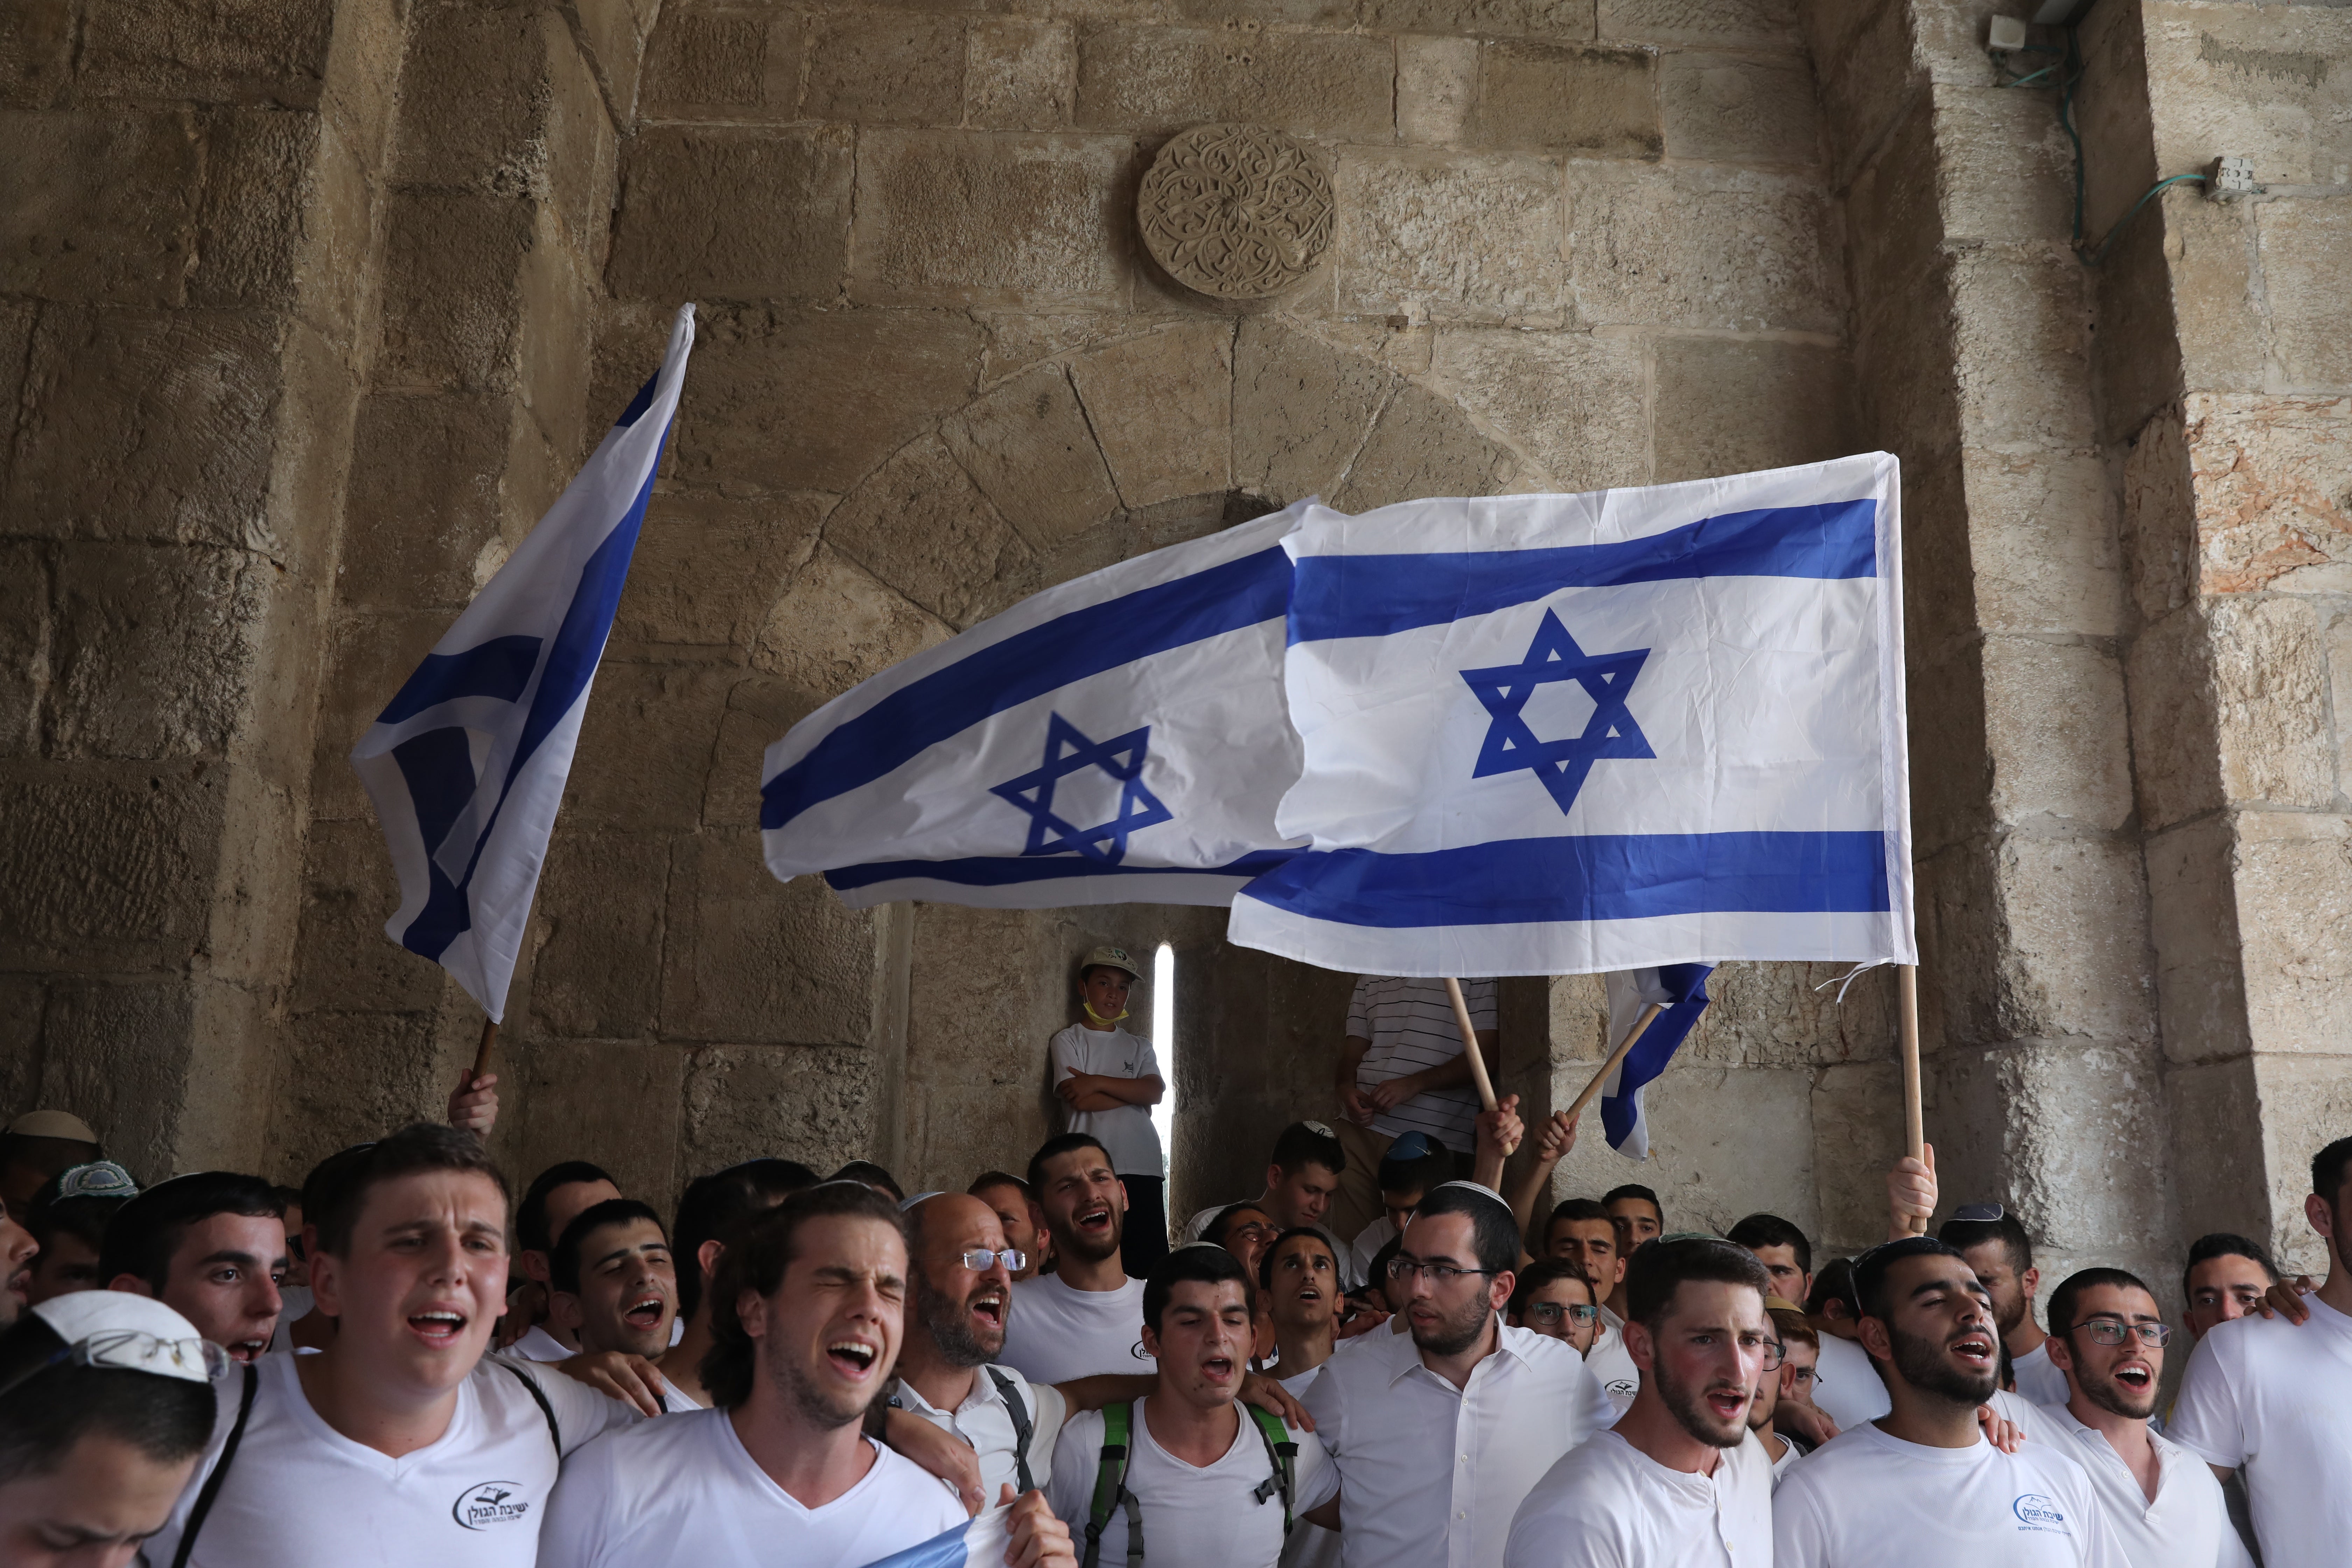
(84, 1314)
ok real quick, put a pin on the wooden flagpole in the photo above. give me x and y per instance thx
(482, 1054)
(1640, 1026)
(1914, 1126)
(1470, 1044)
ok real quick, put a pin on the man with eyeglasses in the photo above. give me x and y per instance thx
(2108, 1340)
(1797, 1347)
(1922, 1487)
(1680, 1481)
(1556, 1300)
(1440, 1433)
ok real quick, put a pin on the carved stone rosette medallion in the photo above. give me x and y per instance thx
(1235, 211)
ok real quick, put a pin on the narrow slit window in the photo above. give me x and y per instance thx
(1163, 1044)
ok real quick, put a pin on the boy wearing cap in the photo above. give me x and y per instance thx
(1108, 1080)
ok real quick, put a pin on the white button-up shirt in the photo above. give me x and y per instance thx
(2187, 1525)
(1430, 1475)
(984, 1423)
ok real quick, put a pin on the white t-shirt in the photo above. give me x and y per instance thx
(1351, 1277)
(1192, 1516)
(1846, 1385)
(1412, 1026)
(1368, 1244)
(1311, 1545)
(2275, 1397)
(2039, 1379)
(294, 1303)
(1125, 1132)
(1790, 1454)
(1608, 1505)
(984, 1424)
(1052, 1334)
(2187, 1525)
(1864, 1499)
(300, 1493)
(539, 1345)
(685, 1491)
(1612, 1365)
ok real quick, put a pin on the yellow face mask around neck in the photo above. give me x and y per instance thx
(1097, 1017)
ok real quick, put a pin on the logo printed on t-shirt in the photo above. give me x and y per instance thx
(2035, 1511)
(1625, 1385)
(490, 1503)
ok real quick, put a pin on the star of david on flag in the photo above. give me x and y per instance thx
(1563, 766)
(1067, 752)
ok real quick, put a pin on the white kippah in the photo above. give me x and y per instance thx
(1319, 1130)
(1484, 1191)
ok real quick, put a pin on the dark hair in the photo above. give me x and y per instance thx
(531, 1233)
(84, 1218)
(1548, 1271)
(1053, 1149)
(1966, 1234)
(1307, 1144)
(2328, 1169)
(1770, 1230)
(1582, 1210)
(1416, 1175)
(873, 1176)
(1376, 1278)
(762, 1250)
(1206, 1264)
(1833, 1283)
(1493, 1229)
(713, 1206)
(2063, 1299)
(1265, 1258)
(988, 1179)
(563, 1263)
(1660, 1266)
(47, 1156)
(145, 1232)
(168, 1419)
(1871, 1268)
(2223, 1243)
(326, 1177)
(1635, 1190)
(422, 1146)
(1220, 1223)
(1791, 1326)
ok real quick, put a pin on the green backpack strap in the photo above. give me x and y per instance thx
(1110, 1488)
(1281, 1449)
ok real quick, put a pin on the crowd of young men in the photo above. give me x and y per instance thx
(827, 1370)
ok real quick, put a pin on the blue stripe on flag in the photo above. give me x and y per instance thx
(438, 768)
(1024, 666)
(1686, 983)
(988, 871)
(500, 668)
(945, 1550)
(1375, 595)
(1598, 876)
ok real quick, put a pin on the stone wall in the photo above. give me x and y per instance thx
(308, 309)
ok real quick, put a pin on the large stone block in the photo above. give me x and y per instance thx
(2269, 680)
(1301, 409)
(834, 625)
(2267, 81)
(1028, 448)
(950, 218)
(1793, 1015)
(2020, 340)
(1565, 19)
(2006, 169)
(2272, 484)
(886, 67)
(596, 967)
(1019, 74)
(99, 207)
(2077, 960)
(141, 425)
(749, 960)
(152, 655)
(1425, 446)
(1735, 109)
(2043, 548)
(1690, 247)
(344, 962)
(450, 303)
(349, 1076)
(722, 62)
(2306, 1104)
(1160, 79)
(1436, 89)
(2217, 1133)
(24, 646)
(364, 659)
(2221, 334)
(920, 525)
(1473, 237)
(2055, 731)
(238, 51)
(734, 213)
(644, 746)
(816, 1106)
(119, 1055)
(279, 189)
(1864, 60)
(760, 709)
(2194, 926)
(1857, 1133)
(109, 867)
(1572, 401)
(1723, 1142)
(628, 1125)
(1163, 406)
(2305, 251)
(1563, 98)
(37, 47)
(425, 501)
(2175, 755)
(1732, 23)
(708, 567)
(2160, 516)
(1730, 405)
(2295, 923)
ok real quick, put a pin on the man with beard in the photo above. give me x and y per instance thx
(1440, 1433)
(615, 1287)
(1079, 1320)
(2001, 1254)
(708, 1212)
(1922, 1487)
(1679, 1481)
(807, 1326)
(2226, 1277)
(2165, 1506)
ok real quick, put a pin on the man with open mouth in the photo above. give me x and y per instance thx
(1922, 1487)
(1079, 1320)
(211, 1247)
(613, 1286)
(1208, 1481)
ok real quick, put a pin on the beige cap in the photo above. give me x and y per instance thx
(1114, 958)
(52, 1124)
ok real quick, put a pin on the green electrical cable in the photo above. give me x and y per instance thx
(2116, 233)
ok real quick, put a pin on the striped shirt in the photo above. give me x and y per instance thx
(1410, 1026)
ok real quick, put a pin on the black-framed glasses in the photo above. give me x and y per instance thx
(1775, 1353)
(1402, 1270)
(1548, 1313)
(978, 1260)
(1801, 1375)
(2115, 1331)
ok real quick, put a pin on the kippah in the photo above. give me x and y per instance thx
(1319, 1130)
(918, 1197)
(1693, 1235)
(1482, 1190)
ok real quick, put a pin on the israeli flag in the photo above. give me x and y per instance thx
(1567, 733)
(1680, 991)
(466, 764)
(978, 1543)
(1120, 738)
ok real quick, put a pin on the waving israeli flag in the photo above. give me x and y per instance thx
(1120, 738)
(1560, 734)
(466, 764)
(978, 1543)
(1680, 991)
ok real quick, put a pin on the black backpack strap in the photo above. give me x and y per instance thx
(1024, 1429)
(206, 1498)
(539, 1398)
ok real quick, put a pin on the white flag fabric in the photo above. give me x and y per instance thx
(1120, 738)
(1568, 733)
(466, 764)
